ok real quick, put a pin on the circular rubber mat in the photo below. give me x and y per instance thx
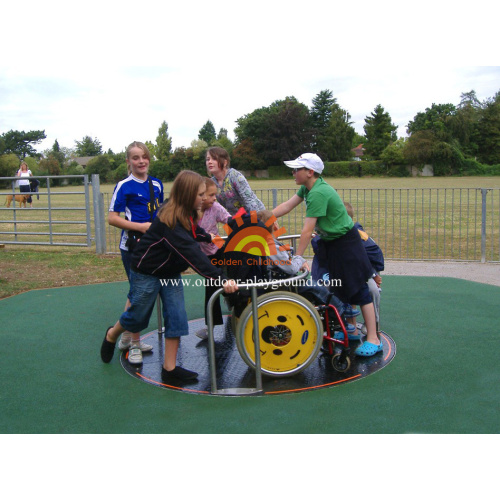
(233, 372)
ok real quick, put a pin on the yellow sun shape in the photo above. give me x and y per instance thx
(255, 240)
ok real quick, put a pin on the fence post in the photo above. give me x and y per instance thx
(275, 197)
(100, 228)
(484, 193)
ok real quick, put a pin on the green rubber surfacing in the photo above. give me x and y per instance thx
(444, 378)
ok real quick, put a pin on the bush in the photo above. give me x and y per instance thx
(99, 165)
(279, 172)
(353, 168)
(118, 174)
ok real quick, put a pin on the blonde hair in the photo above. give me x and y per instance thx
(179, 207)
(21, 166)
(140, 145)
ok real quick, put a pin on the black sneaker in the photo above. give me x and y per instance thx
(107, 348)
(177, 373)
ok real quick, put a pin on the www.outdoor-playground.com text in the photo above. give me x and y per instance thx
(273, 285)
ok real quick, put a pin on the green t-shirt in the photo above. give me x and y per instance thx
(325, 204)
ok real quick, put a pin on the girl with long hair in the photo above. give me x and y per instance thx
(234, 190)
(168, 248)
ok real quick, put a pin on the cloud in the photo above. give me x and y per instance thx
(117, 72)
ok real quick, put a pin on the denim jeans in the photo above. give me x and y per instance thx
(143, 292)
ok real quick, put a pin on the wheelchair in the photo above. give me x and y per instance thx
(293, 328)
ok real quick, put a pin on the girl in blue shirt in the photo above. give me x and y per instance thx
(132, 197)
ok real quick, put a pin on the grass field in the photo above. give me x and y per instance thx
(410, 218)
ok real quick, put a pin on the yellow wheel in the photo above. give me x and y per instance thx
(291, 334)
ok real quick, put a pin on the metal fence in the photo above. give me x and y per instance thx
(61, 216)
(458, 224)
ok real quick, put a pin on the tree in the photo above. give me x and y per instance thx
(58, 154)
(198, 149)
(163, 143)
(245, 157)
(99, 165)
(88, 147)
(278, 132)
(207, 133)
(324, 105)
(50, 165)
(321, 109)
(488, 129)
(419, 147)
(222, 133)
(394, 153)
(21, 143)
(437, 118)
(464, 123)
(223, 141)
(379, 132)
(152, 149)
(336, 143)
(9, 165)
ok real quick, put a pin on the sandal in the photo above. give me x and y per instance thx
(107, 348)
(367, 349)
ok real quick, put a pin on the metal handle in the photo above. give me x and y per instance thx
(211, 342)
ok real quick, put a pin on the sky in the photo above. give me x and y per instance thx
(115, 71)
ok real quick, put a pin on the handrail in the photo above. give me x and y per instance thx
(240, 391)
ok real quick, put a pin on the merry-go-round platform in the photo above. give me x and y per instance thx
(232, 371)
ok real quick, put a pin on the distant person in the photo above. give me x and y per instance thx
(34, 183)
(211, 214)
(24, 183)
(138, 197)
(340, 244)
(234, 191)
(167, 249)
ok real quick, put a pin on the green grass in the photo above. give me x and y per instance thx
(410, 218)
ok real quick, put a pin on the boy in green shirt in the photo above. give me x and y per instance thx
(340, 244)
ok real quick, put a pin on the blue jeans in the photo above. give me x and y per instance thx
(143, 292)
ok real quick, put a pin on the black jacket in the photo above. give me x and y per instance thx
(165, 252)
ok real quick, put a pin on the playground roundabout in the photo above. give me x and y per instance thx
(232, 371)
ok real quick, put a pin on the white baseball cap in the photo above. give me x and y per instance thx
(307, 160)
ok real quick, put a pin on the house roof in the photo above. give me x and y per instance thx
(83, 160)
(358, 150)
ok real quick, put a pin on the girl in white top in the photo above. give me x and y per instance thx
(24, 183)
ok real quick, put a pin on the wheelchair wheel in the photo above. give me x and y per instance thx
(290, 330)
(341, 364)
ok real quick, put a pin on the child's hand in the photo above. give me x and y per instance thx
(230, 286)
(378, 280)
